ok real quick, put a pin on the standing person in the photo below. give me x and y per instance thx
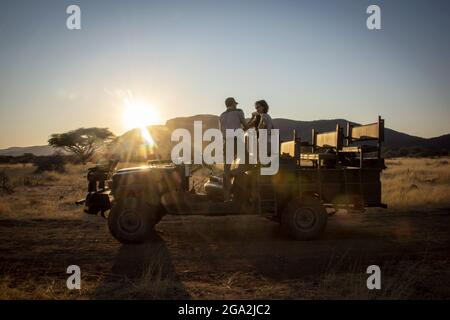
(261, 118)
(232, 118)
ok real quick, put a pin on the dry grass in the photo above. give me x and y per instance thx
(46, 289)
(4, 208)
(151, 285)
(40, 195)
(400, 280)
(416, 183)
(155, 282)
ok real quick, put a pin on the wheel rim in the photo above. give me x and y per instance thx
(129, 221)
(305, 218)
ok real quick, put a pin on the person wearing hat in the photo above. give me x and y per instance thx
(232, 118)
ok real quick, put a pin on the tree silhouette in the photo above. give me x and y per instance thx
(82, 142)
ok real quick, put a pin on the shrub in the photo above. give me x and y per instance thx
(5, 186)
(50, 163)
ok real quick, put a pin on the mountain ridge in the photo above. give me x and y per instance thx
(43, 150)
(393, 138)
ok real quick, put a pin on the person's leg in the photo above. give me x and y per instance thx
(226, 173)
(227, 176)
(92, 181)
(227, 182)
(101, 180)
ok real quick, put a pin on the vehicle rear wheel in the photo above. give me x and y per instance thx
(304, 221)
(132, 220)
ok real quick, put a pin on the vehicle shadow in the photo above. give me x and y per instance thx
(250, 244)
(143, 271)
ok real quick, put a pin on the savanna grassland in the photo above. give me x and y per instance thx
(414, 183)
(42, 232)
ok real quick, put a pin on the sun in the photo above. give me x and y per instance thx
(139, 114)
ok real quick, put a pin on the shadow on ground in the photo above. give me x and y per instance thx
(143, 271)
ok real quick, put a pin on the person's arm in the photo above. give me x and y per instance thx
(251, 122)
(221, 125)
(242, 119)
(262, 122)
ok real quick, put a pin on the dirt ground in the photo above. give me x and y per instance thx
(229, 257)
(42, 232)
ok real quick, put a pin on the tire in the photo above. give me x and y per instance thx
(132, 221)
(304, 221)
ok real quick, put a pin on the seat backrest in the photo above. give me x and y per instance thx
(332, 139)
(372, 131)
(291, 149)
(288, 149)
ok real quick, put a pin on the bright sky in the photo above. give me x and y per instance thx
(309, 59)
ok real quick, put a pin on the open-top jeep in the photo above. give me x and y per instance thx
(314, 179)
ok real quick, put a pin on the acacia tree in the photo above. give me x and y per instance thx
(82, 142)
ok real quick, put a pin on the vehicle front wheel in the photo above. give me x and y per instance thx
(132, 221)
(304, 221)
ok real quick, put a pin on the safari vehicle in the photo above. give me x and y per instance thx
(334, 170)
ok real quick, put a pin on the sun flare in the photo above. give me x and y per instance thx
(140, 114)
